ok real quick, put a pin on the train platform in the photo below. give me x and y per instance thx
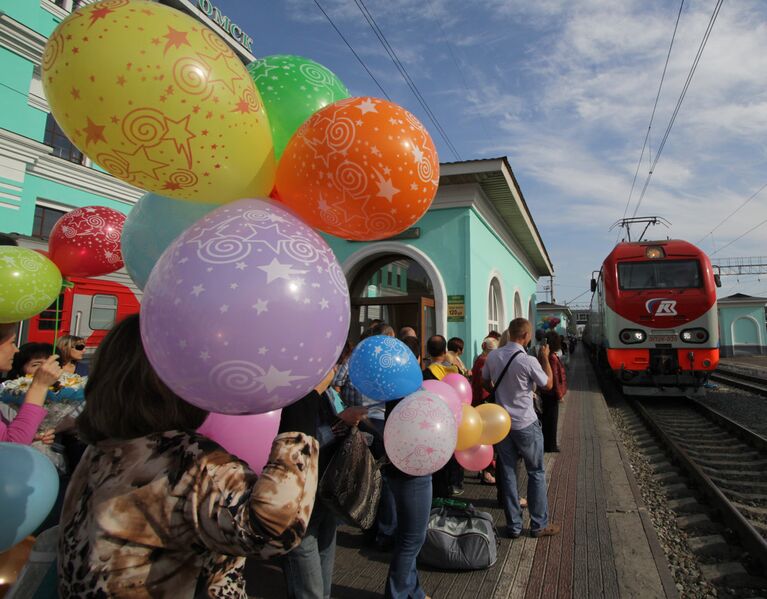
(607, 547)
(755, 365)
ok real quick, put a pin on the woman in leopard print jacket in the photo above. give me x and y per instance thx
(154, 510)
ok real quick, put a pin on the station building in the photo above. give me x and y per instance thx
(467, 267)
(742, 327)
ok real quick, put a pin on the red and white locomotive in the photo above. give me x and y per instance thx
(653, 316)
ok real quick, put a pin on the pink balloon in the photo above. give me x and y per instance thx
(448, 395)
(248, 437)
(475, 458)
(461, 385)
(420, 433)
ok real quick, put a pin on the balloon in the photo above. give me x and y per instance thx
(11, 563)
(475, 458)
(384, 368)
(496, 423)
(29, 283)
(249, 437)
(461, 386)
(151, 226)
(86, 242)
(160, 101)
(420, 433)
(359, 169)
(246, 311)
(447, 394)
(29, 485)
(293, 88)
(470, 429)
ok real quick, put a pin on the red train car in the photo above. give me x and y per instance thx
(88, 309)
(653, 317)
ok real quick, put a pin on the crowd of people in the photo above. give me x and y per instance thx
(148, 503)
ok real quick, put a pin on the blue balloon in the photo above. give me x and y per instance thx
(151, 226)
(383, 368)
(29, 485)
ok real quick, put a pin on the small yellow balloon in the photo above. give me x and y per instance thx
(470, 429)
(496, 423)
(160, 101)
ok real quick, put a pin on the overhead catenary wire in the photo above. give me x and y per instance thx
(733, 213)
(739, 237)
(406, 76)
(357, 56)
(655, 106)
(678, 106)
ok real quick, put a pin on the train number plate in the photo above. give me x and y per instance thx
(662, 338)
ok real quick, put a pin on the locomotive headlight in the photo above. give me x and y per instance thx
(629, 336)
(654, 252)
(694, 335)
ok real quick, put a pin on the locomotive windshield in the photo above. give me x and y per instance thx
(659, 274)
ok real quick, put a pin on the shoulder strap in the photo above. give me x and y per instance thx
(505, 368)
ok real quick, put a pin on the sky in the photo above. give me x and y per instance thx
(565, 89)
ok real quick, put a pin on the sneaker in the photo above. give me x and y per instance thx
(551, 530)
(456, 491)
(513, 534)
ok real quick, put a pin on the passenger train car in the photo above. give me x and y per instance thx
(88, 306)
(653, 317)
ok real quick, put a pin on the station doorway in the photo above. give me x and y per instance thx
(394, 289)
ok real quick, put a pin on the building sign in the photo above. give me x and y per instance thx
(456, 307)
(223, 21)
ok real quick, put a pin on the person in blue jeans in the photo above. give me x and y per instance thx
(412, 501)
(512, 373)
(308, 568)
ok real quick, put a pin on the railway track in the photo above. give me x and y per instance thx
(726, 462)
(741, 380)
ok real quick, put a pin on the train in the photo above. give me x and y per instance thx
(87, 307)
(653, 317)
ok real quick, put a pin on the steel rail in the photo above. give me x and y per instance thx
(751, 539)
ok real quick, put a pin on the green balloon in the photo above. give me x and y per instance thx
(293, 88)
(29, 283)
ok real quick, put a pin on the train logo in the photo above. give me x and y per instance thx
(661, 307)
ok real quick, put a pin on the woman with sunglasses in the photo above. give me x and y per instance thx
(71, 350)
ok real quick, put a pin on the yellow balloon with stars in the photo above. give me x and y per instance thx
(160, 101)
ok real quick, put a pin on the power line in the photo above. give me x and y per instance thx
(364, 66)
(682, 95)
(754, 228)
(406, 76)
(733, 213)
(655, 106)
(578, 296)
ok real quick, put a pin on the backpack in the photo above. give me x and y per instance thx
(559, 387)
(459, 538)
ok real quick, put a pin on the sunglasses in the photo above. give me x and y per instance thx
(80, 346)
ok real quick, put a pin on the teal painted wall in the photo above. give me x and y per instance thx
(465, 251)
(742, 330)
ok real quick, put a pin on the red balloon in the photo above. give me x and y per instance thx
(86, 242)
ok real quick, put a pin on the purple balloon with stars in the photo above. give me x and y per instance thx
(246, 311)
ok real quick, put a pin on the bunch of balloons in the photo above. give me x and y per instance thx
(245, 307)
(438, 421)
(549, 323)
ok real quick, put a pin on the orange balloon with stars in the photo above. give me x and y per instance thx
(360, 168)
(160, 101)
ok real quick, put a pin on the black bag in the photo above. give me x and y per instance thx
(351, 484)
(491, 397)
(459, 539)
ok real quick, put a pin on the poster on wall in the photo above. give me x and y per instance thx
(456, 308)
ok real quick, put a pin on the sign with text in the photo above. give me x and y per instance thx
(220, 19)
(456, 308)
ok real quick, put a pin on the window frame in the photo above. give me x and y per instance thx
(95, 307)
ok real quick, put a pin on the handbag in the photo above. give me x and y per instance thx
(491, 397)
(459, 538)
(351, 484)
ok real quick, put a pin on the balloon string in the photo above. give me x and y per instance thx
(56, 319)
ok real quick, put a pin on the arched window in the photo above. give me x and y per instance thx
(517, 305)
(495, 316)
